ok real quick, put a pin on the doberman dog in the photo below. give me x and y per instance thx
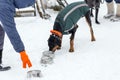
(65, 23)
(94, 4)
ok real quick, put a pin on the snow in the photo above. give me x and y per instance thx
(98, 60)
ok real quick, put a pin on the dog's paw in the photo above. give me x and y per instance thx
(97, 22)
(58, 48)
(93, 39)
(71, 50)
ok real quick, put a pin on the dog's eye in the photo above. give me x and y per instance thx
(51, 38)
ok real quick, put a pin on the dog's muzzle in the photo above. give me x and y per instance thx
(53, 41)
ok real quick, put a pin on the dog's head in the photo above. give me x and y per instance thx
(54, 41)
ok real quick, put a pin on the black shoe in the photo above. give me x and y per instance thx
(4, 68)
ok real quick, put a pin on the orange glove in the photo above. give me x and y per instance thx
(25, 59)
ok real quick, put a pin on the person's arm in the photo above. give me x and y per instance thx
(10, 28)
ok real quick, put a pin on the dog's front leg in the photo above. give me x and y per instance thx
(71, 45)
(88, 20)
(91, 12)
(96, 16)
(73, 31)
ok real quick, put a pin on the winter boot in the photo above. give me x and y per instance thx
(110, 10)
(3, 68)
(117, 16)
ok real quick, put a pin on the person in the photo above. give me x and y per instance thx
(66, 23)
(7, 24)
(111, 10)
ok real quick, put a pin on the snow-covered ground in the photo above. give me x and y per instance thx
(99, 60)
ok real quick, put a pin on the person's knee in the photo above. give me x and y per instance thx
(108, 1)
(117, 1)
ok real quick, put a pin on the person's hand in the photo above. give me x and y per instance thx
(25, 59)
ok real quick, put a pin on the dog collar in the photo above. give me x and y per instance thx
(56, 33)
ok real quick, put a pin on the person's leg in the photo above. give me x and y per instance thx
(110, 9)
(0, 56)
(117, 15)
(118, 8)
(2, 34)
